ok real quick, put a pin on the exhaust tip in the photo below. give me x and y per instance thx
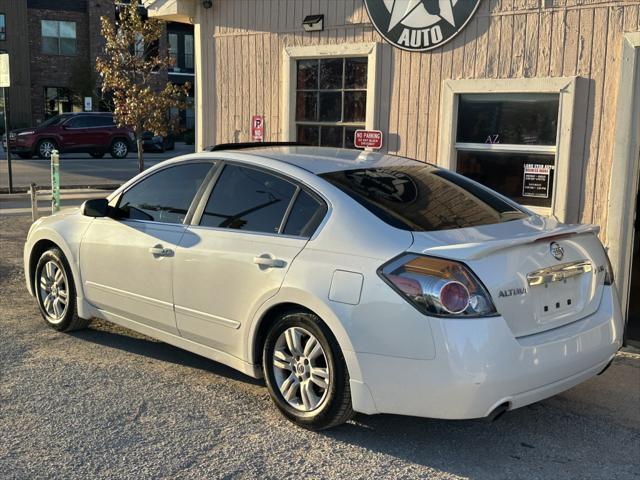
(497, 412)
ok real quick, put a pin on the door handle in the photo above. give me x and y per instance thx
(268, 262)
(160, 251)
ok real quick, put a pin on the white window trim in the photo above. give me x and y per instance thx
(289, 57)
(625, 169)
(565, 199)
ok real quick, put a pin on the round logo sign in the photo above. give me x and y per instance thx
(556, 250)
(420, 25)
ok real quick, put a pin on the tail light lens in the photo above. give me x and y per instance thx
(438, 287)
(608, 273)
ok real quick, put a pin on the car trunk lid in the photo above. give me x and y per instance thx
(531, 288)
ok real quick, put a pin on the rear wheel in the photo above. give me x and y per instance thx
(55, 291)
(45, 148)
(119, 148)
(306, 373)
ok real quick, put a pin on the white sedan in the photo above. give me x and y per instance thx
(352, 281)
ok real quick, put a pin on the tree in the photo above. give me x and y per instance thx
(129, 69)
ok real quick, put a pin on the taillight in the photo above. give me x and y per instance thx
(437, 286)
(608, 273)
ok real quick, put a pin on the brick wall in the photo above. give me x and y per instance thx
(54, 70)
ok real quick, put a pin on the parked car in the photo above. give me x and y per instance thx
(351, 281)
(157, 143)
(93, 133)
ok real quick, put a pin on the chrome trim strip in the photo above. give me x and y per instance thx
(131, 296)
(558, 273)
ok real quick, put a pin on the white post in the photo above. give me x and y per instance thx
(33, 193)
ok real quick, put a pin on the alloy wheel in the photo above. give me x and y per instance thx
(54, 291)
(120, 149)
(46, 148)
(301, 369)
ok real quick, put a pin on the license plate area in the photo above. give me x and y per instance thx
(559, 299)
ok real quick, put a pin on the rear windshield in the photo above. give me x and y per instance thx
(423, 198)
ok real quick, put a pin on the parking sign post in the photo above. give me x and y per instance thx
(55, 181)
(5, 82)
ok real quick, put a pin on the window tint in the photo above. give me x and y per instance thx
(164, 196)
(100, 121)
(247, 199)
(78, 122)
(423, 198)
(305, 215)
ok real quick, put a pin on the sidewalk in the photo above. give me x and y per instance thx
(20, 203)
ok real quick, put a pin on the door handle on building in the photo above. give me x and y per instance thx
(160, 251)
(265, 260)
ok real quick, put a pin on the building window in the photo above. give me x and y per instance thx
(515, 136)
(58, 38)
(57, 100)
(188, 52)
(507, 141)
(331, 100)
(3, 31)
(173, 48)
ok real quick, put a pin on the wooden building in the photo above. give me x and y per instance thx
(539, 99)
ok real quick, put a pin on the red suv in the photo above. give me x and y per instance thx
(93, 133)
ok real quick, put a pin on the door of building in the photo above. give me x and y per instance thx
(633, 323)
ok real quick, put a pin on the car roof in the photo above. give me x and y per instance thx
(321, 160)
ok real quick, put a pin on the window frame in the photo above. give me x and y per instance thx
(564, 201)
(292, 54)
(59, 37)
(195, 202)
(206, 194)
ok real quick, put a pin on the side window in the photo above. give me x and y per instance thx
(78, 122)
(248, 199)
(100, 121)
(164, 196)
(305, 215)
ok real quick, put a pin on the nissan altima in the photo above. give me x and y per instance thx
(351, 281)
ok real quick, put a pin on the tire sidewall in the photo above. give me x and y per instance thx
(322, 416)
(56, 255)
(40, 155)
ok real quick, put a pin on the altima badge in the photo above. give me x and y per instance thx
(556, 250)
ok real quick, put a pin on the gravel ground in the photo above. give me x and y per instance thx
(109, 403)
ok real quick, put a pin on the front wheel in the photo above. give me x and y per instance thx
(119, 148)
(305, 372)
(45, 148)
(55, 291)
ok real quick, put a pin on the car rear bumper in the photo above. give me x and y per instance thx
(480, 365)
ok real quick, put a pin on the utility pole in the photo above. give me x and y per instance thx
(5, 100)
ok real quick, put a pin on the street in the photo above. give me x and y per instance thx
(80, 170)
(109, 403)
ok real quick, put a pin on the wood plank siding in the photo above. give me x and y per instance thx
(504, 39)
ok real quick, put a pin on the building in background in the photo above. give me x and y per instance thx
(538, 99)
(53, 46)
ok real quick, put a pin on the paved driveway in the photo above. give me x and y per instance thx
(109, 403)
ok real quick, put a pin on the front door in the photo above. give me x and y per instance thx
(236, 257)
(127, 262)
(633, 318)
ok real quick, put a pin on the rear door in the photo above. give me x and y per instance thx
(127, 262)
(98, 133)
(235, 256)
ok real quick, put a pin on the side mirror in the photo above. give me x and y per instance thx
(96, 207)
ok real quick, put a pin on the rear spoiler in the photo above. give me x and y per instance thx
(476, 250)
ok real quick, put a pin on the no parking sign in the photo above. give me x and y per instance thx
(257, 128)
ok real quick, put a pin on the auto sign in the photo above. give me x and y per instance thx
(420, 25)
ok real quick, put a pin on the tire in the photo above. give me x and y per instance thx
(45, 147)
(25, 156)
(119, 148)
(53, 278)
(328, 401)
(97, 154)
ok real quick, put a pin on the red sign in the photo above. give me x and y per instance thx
(257, 128)
(368, 139)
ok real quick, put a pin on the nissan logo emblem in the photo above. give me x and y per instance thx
(556, 250)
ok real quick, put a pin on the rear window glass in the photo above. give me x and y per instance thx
(423, 198)
(305, 216)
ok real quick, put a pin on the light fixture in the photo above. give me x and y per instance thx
(207, 4)
(313, 23)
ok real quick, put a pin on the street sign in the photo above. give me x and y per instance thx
(368, 139)
(257, 128)
(5, 75)
(88, 104)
